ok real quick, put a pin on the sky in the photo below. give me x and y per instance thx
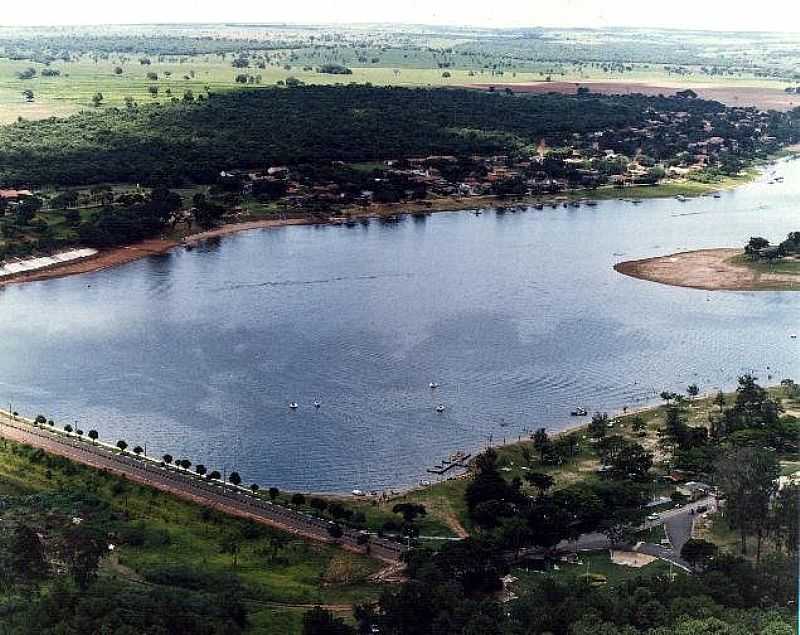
(722, 15)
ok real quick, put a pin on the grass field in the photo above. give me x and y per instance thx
(599, 567)
(80, 80)
(783, 265)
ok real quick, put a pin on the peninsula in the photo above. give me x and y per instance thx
(757, 267)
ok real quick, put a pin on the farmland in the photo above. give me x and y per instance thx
(158, 64)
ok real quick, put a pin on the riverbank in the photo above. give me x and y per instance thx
(711, 270)
(129, 253)
(113, 257)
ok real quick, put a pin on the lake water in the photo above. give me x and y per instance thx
(520, 317)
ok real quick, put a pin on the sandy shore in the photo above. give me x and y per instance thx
(122, 255)
(709, 269)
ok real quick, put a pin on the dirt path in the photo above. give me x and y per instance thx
(709, 269)
(449, 517)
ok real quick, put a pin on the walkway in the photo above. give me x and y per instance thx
(225, 498)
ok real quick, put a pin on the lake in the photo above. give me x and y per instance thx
(518, 316)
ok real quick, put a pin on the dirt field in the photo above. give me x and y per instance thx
(709, 269)
(765, 98)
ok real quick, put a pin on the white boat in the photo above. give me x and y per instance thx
(317, 404)
(681, 198)
(433, 385)
(440, 408)
(293, 405)
(716, 195)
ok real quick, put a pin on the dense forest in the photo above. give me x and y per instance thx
(191, 141)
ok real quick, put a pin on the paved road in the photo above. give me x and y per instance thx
(224, 498)
(680, 523)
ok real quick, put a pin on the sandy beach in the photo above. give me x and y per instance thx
(708, 269)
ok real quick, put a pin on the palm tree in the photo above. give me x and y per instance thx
(93, 435)
(138, 450)
(235, 478)
(167, 458)
(200, 469)
(122, 445)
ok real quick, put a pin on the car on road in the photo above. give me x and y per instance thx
(654, 517)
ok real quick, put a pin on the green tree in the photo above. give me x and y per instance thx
(319, 621)
(541, 481)
(598, 426)
(698, 553)
(122, 445)
(409, 511)
(93, 435)
(748, 477)
(541, 442)
(234, 478)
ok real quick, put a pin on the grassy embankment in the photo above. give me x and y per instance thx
(278, 572)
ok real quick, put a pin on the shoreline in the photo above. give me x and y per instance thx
(116, 256)
(707, 270)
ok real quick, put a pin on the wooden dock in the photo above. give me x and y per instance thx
(459, 459)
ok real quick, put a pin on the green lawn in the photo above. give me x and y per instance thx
(783, 265)
(599, 566)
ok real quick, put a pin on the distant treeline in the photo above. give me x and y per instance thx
(52, 47)
(192, 142)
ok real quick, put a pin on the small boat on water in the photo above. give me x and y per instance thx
(591, 203)
(477, 212)
(538, 206)
(433, 385)
(681, 198)
(293, 405)
(636, 201)
(579, 412)
(440, 408)
(716, 195)
(317, 404)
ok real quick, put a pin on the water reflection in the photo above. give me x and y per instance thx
(518, 316)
